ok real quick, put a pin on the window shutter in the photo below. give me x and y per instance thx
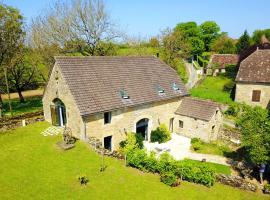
(256, 95)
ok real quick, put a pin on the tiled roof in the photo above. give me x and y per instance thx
(197, 108)
(223, 60)
(255, 68)
(95, 82)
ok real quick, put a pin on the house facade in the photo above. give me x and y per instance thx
(107, 97)
(219, 62)
(253, 79)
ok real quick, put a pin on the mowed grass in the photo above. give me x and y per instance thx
(31, 104)
(32, 167)
(220, 169)
(212, 88)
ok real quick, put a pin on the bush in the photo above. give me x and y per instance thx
(196, 173)
(228, 86)
(196, 144)
(161, 134)
(151, 163)
(132, 142)
(233, 109)
(83, 180)
(137, 158)
(169, 178)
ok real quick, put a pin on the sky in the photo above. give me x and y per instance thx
(146, 18)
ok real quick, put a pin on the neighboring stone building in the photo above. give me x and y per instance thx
(219, 62)
(199, 119)
(106, 97)
(253, 79)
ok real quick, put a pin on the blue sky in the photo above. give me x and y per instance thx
(147, 17)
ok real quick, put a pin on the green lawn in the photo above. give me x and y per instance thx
(211, 148)
(31, 104)
(212, 88)
(32, 167)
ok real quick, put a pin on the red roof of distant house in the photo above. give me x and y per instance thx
(223, 60)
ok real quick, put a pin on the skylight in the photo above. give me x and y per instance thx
(160, 89)
(175, 87)
(124, 94)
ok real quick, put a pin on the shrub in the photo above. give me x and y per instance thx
(228, 86)
(83, 180)
(151, 163)
(161, 134)
(130, 143)
(166, 163)
(233, 109)
(169, 178)
(194, 172)
(137, 158)
(196, 144)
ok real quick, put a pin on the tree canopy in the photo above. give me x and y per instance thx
(244, 42)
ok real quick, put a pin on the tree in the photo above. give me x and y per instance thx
(11, 38)
(259, 34)
(243, 43)
(77, 20)
(153, 42)
(255, 129)
(210, 32)
(224, 45)
(22, 72)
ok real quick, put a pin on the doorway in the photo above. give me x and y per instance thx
(171, 125)
(108, 143)
(58, 113)
(142, 128)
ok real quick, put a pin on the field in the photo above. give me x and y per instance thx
(32, 167)
(213, 88)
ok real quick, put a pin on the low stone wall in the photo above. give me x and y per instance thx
(236, 181)
(7, 123)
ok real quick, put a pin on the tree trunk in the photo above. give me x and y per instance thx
(1, 106)
(1, 100)
(20, 95)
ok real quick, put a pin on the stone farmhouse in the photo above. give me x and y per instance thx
(253, 79)
(107, 97)
(219, 62)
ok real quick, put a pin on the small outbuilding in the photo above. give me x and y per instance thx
(199, 118)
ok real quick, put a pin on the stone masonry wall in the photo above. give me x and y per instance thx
(125, 120)
(244, 94)
(57, 88)
(199, 128)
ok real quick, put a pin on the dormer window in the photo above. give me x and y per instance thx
(175, 87)
(160, 89)
(124, 94)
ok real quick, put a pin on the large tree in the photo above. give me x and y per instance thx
(243, 43)
(210, 32)
(77, 20)
(224, 45)
(255, 129)
(11, 36)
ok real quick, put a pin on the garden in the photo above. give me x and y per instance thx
(32, 165)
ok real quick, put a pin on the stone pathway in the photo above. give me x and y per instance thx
(208, 158)
(179, 148)
(52, 130)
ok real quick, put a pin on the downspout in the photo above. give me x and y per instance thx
(84, 128)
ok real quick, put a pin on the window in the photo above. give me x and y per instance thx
(256, 95)
(160, 89)
(107, 117)
(181, 124)
(175, 87)
(124, 94)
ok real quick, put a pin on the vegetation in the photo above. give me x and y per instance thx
(243, 43)
(210, 148)
(55, 176)
(213, 88)
(31, 104)
(224, 45)
(255, 128)
(161, 134)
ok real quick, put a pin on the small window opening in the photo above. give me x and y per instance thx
(107, 117)
(175, 87)
(160, 90)
(124, 94)
(181, 124)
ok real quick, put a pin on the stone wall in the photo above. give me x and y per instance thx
(57, 88)
(7, 123)
(199, 128)
(124, 121)
(244, 93)
(236, 181)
